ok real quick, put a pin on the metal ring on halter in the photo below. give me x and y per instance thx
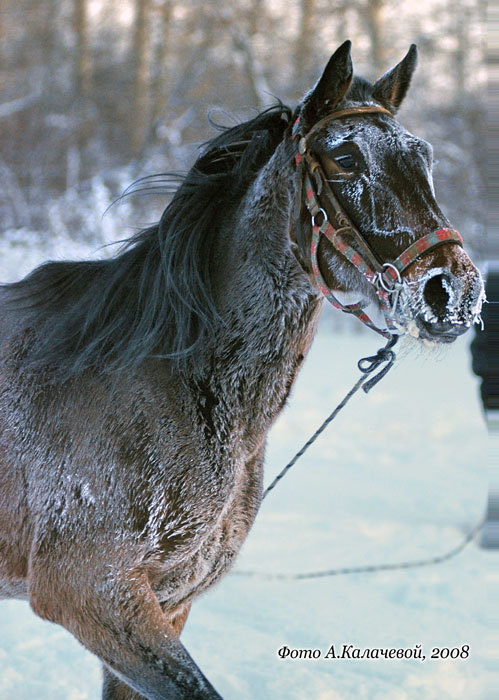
(321, 211)
(381, 282)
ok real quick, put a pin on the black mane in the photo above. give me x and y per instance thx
(154, 298)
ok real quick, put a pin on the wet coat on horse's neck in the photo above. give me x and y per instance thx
(268, 312)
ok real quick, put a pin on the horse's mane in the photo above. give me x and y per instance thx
(154, 298)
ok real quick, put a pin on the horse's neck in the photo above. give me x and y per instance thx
(269, 309)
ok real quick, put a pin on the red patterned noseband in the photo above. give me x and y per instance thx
(329, 220)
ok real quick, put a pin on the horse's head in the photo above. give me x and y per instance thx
(368, 225)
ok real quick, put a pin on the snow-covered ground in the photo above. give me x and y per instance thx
(401, 474)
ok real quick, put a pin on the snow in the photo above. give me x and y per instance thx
(401, 474)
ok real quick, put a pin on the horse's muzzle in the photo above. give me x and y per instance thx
(448, 304)
(442, 331)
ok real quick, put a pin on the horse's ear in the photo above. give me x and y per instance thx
(391, 88)
(331, 87)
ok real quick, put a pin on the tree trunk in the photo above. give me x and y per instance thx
(461, 19)
(255, 12)
(374, 21)
(305, 38)
(254, 70)
(83, 69)
(2, 36)
(141, 75)
(160, 91)
(341, 14)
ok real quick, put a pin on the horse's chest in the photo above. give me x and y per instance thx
(213, 554)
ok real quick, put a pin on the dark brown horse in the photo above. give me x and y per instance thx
(137, 392)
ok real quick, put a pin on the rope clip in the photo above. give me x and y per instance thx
(393, 288)
(367, 365)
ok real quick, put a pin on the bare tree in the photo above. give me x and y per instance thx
(304, 41)
(342, 15)
(373, 16)
(140, 119)
(461, 16)
(254, 16)
(83, 67)
(2, 32)
(164, 11)
(242, 38)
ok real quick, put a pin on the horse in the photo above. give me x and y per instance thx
(137, 392)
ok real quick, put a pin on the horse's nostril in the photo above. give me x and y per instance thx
(437, 294)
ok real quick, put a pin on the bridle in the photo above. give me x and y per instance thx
(330, 220)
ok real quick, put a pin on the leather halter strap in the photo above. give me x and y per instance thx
(337, 227)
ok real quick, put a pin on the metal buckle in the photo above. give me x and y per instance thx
(321, 211)
(379, 281)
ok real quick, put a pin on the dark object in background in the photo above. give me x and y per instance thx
(490, 531)
(485, 363)
(485, 348)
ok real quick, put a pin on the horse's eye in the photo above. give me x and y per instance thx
(346, 161)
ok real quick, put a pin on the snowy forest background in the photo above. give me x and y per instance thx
(98, 93)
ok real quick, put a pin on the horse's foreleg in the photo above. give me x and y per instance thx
(122, 623)
(113, 688)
